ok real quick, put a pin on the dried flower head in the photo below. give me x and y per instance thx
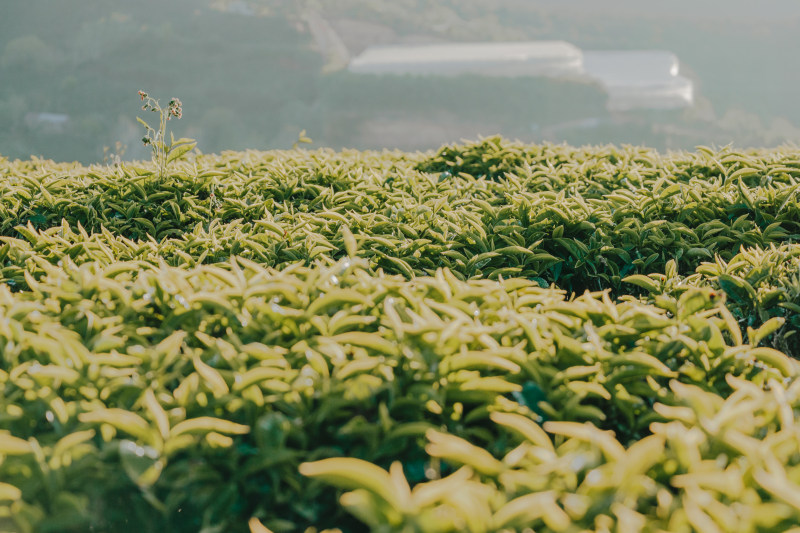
(175, 108)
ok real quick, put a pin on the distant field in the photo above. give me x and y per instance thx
(492, 337)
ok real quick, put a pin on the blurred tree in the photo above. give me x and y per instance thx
(12, 111)
(98, 38)
(28, 53)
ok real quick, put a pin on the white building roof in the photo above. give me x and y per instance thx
(534, 58)
(633, 79)
(631, 67)
(636, 79)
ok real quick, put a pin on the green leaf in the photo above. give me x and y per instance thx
(256, 526)
(352, 473)
(350, 245)
(697, 299)
(778, 360)
(644, 282)
(523, 510)
(11, 445)
(525, 427)
(766, 329)
(9, 492)
(123, 420)
(458, 450)
(738, 289)
(175, 152)
(205, 424)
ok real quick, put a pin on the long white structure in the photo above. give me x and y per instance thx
(534, 58)
(633, 79)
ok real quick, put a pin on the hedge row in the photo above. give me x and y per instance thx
(492, 337)
(192, 395)
(583, 219)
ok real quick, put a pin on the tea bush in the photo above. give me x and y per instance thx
(492, 337)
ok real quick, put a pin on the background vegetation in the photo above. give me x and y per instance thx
(256, 81)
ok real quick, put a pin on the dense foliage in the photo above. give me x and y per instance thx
(487, 338)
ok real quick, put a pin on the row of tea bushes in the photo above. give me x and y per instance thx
(230, 348)
(762, 288)
(142, 397)
(761, 284)
(580, 218)
(713, 464)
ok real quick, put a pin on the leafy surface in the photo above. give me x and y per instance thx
(402, 342)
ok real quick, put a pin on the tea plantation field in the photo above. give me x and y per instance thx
(494, 337)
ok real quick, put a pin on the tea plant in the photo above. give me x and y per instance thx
(294, 340)
(198, 392)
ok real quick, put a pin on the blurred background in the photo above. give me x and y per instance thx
(408, 74)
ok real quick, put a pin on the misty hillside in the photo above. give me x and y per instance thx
(254, 74)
